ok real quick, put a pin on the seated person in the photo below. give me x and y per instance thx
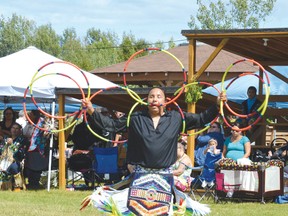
(236, 146)
(202, 142)
(212, 147)
(82, 153)
(212, 156)
(13, 150)
(182, 168)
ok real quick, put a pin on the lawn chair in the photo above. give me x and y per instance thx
(106, 165)
(81, 166)
(206, 180)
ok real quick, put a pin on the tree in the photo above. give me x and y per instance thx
(102, 47)
(73, 50)
(130, 45)
(231, 14)
(16, 33)
(127, 46)
(47, 40)
(171, 43)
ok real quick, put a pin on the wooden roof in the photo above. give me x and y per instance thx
(249, 43)
(160, 68)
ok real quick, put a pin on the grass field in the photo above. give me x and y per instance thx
(67, 203)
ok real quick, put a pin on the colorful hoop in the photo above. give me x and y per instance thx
(85, 117)
(39, 108)
(154, 49)
(58, 62)
(250, 114)
(78, 113)
(263, 106)
(214, 120)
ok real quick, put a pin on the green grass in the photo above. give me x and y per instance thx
(67, 203)
(44, 203)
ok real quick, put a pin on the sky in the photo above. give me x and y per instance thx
(152, 20)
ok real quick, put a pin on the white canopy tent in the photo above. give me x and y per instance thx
(17, 71)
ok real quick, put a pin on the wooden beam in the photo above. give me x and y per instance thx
(195, 34)
(211, 58)
(275, 73)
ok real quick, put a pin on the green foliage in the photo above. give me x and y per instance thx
(101, 48)
(171, 43)
(47, 40)
(97, 49)
(72, 49)
(16, 33)
(193, 93)
(232, 14)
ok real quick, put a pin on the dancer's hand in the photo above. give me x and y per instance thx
(87, 103)
(222, 97)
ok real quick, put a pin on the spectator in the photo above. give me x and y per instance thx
(250, 105)
(36, 159)
(82, 154)
(236, 146)
(17, 144)
(21, 119)
(182, 168)
(12, 153)
(202, 142)
(8, 120)
(110, 135)
(212, 147)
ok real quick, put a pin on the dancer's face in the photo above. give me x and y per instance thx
(156, 96)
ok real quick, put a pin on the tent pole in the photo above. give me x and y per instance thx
(61, 143)
(51, 147)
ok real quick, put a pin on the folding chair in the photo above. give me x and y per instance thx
(206, 180)
(81, 166)
(106, 164)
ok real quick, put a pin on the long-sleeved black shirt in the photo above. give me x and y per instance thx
(150, 147)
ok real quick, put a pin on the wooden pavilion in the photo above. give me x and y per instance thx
(266, 46)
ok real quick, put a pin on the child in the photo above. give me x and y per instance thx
(212, 144)
(212, 156)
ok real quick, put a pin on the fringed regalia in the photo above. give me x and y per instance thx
(150, 192)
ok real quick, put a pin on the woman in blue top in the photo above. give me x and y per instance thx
(236, 146)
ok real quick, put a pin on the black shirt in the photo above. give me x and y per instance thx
(150, 147)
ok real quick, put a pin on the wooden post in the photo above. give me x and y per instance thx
(191, 107)
(61, 143)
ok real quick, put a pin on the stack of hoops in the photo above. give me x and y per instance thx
(142, 101)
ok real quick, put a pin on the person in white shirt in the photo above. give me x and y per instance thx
(21, 119)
